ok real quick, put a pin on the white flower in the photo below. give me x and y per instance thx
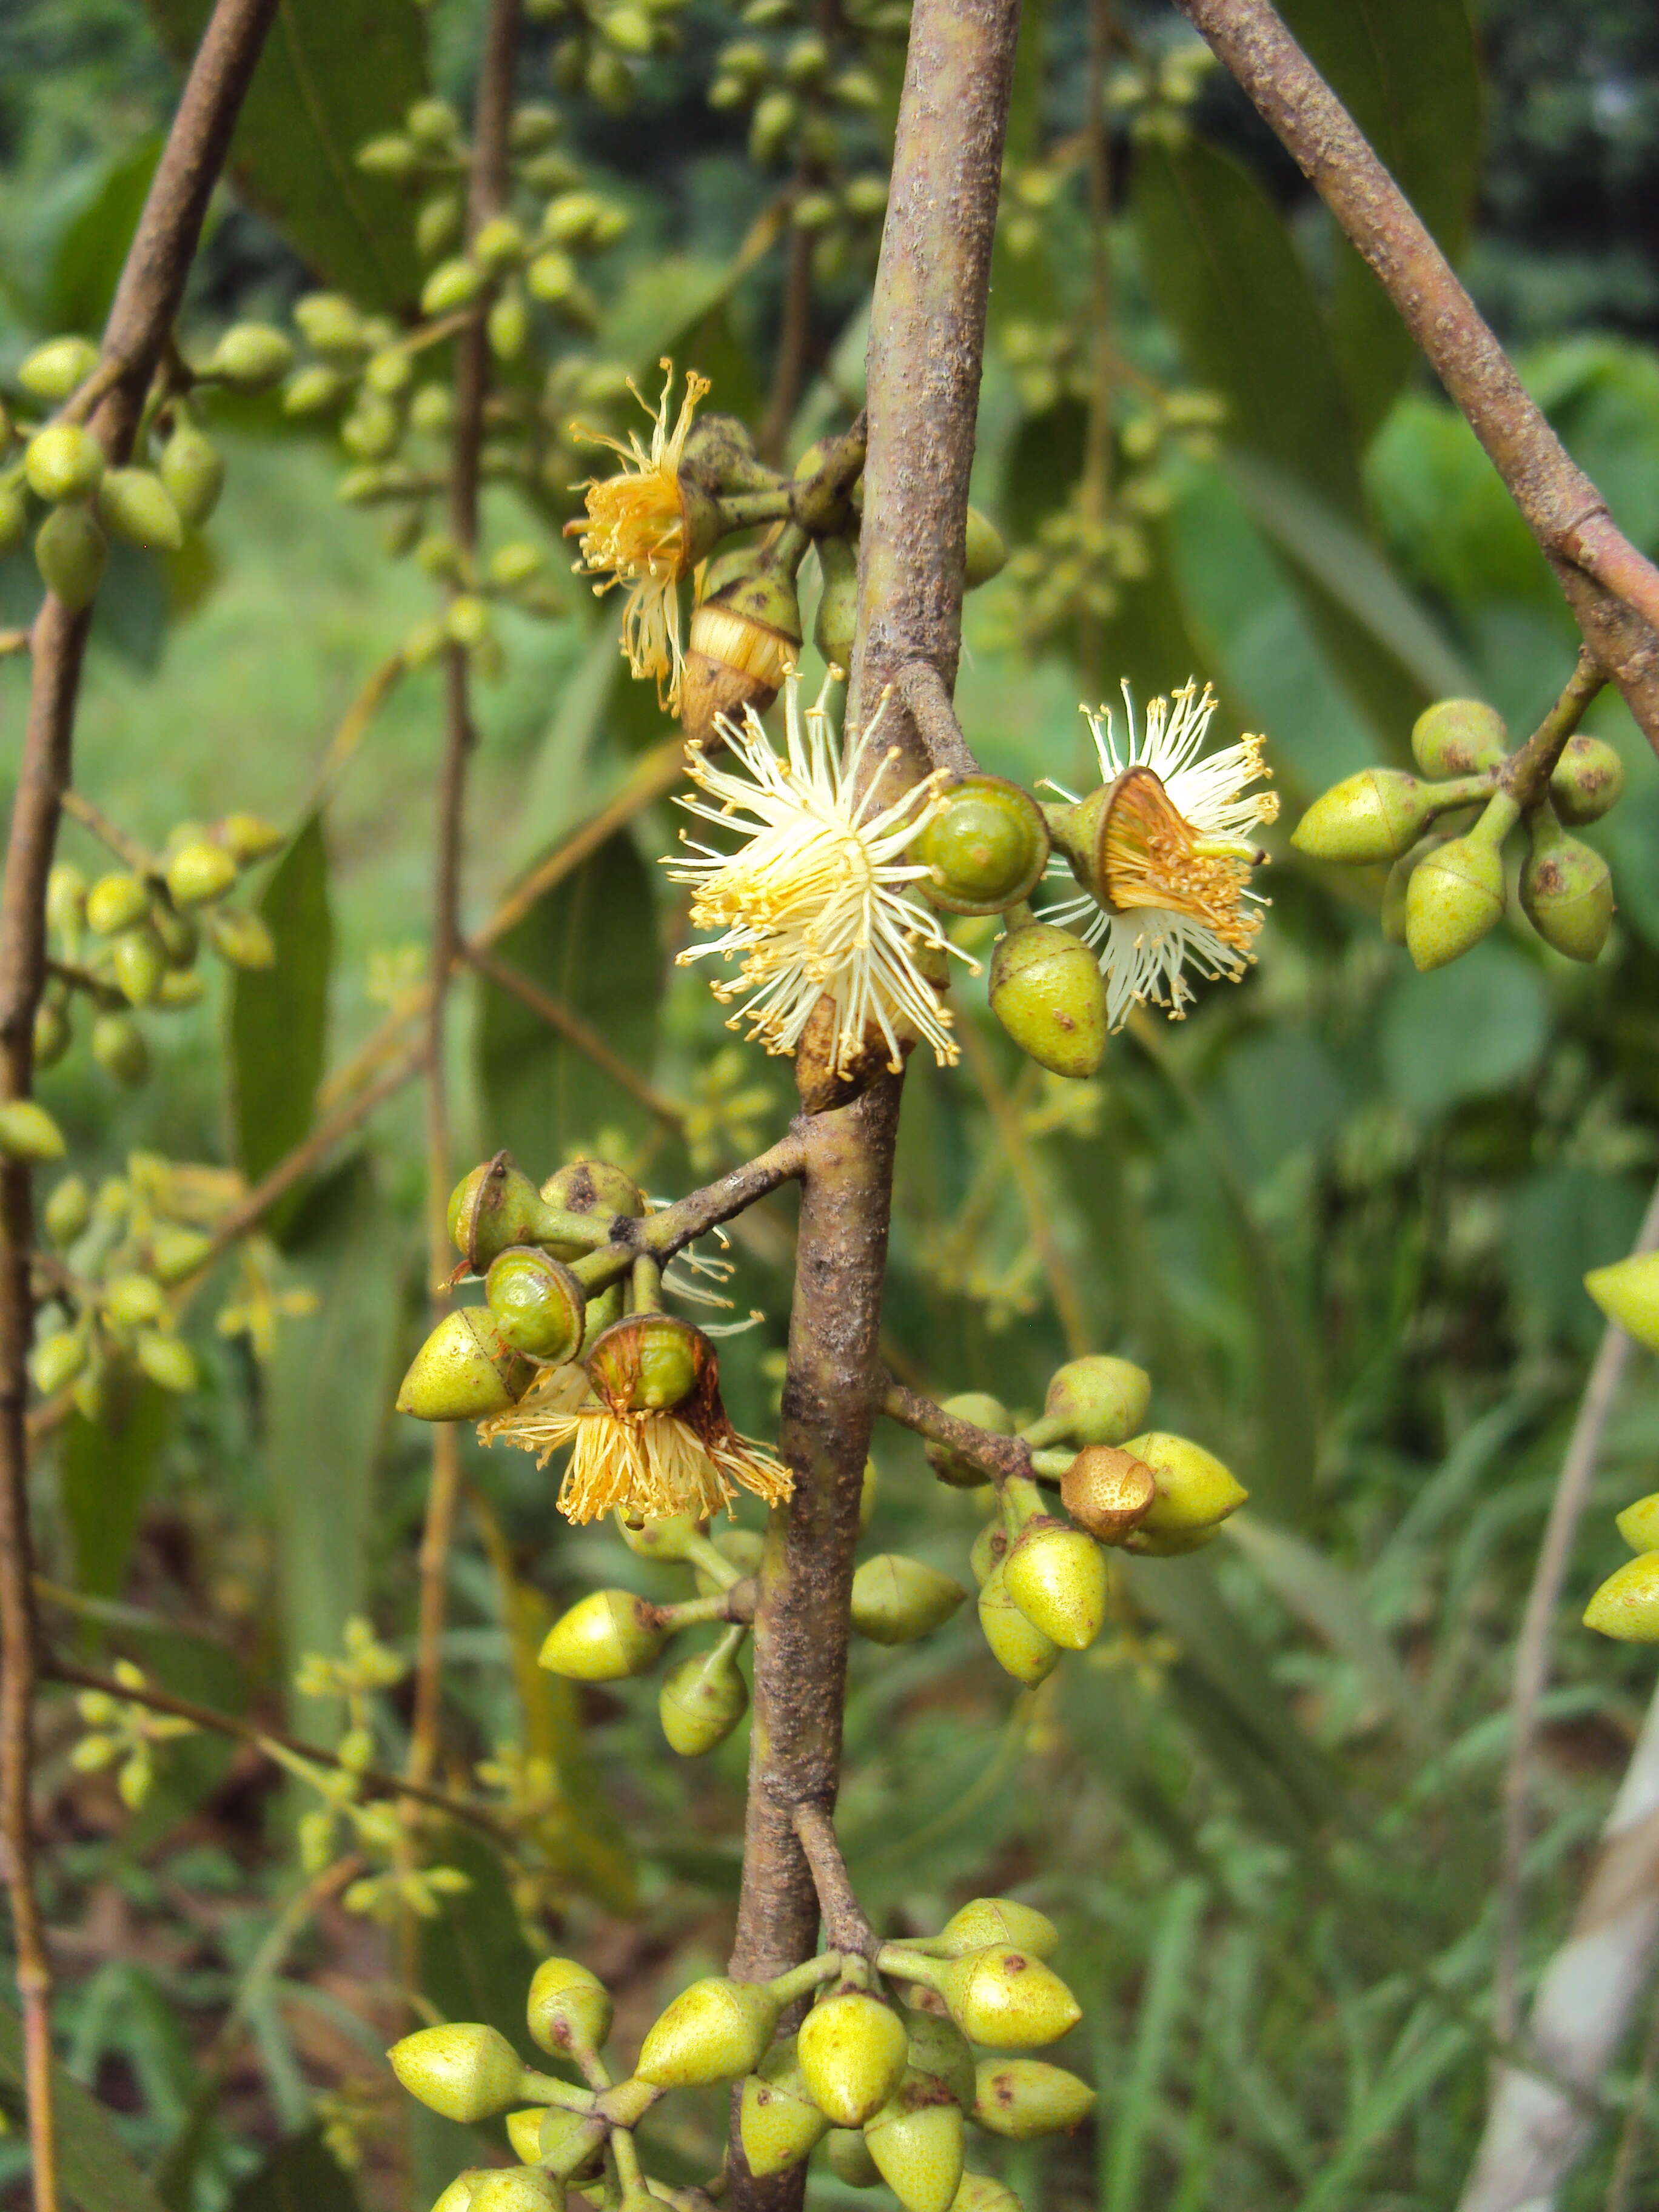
(1172, 884)
(816, 901)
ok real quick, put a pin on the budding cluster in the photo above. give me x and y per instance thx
(1626, 1605)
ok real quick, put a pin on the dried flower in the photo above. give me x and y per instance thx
(816, 900)
(1167, 859)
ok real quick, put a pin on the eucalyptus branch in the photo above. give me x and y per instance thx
(130, 851)
(1525, 775)
(846, 1926)
(921, 688)
(1003, 1458)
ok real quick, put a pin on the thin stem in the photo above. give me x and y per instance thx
(921, 686)
(846, 1925)
(794, 341)
(1525, 775)
(147, 301)
(129, 851)
(1001, 1457)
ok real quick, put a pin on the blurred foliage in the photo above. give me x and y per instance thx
(1342, 1214)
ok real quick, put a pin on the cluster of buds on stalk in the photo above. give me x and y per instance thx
(1443, 834)
(1626, 1605)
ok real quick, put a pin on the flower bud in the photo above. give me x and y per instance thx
(64, 462)
(1459, 737)
(167, 1361)
(515, 2189)
(1639, 1524)
(1626, 1606)
(1007, 1997)
(715, 2031)
(938, 2046)
(897, 1600)
(1627, 1291)
(851, 2050)
(27, 1131)
(989, 1549)
(777, 2121)
(524, 2133)
(463, 1372)
(1094, 1401)
(986, 554)
(252, 355)
(1020, 2098)
(984, 1921)
(137, 506)
(668, 1539)
(604, 1638)
(985, 1412)
(1048, 992)
(53, 1033)
(849, 2158)
(1107, 1491)
(329, 323)
(1455, 896)
(986, 848)
(457, 2197)
(69, 552)
(116, 902)
(916, 2142)
(56, 1360)
(838, 602)
(1195, 1492)
(249, 837)
(496, 1206)
(139, 963)
(1057, 1578)
(465, 2071)
(569, 2008)
(584, 1186)
(1376, 815)
(452, 284)
(745, 636)
(538, 1306)
(649, 1362)
(180, 989)
(702, 1699)
(200, 872)
(1587, 781)
(193, 469)
(980, 2193)
(1566, 888)
(1018, 1648)
(131, 1300)
(570, 2142)
(118, 1048)
(242, 939)
(56, 370)
(68, 1210)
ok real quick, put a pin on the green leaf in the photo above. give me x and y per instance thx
(91, 247)
(593, 943)
(334, 73)
(98, 2175)
(279, 1014)
(104, 1471)
(1167, 1991)
(1465, 1030)
(1443, 513)
(301, 2175)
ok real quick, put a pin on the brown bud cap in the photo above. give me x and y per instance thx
(1107, 1492)
(745, 639)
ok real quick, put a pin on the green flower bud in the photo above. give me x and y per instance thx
(200, 872)
(57, 1359)
(938, 2046)
(1048, 992)
(849, 2158)
(139, 964)
(64, 462)
(116, 902)
(69, 552)
(457, 2197)
(55, 371)
(1376, 815)
(27, 1131)
(329, 323)
(989, 1548)
(14, 519)
(1195, 1492)
(390, 154)
(464, 2070)
(568, 2007)
(249, 837)
(500, 243)
(1459, 737)
(1057, 1578)
(492, 1207)
(916, 2142)
(1018, 1648)
(704, 1697)
(463, 1372)
(180, 940)
(389, 371)
(1639, 1524)
(242, 939)
(373, 429)
(570, 2142)
(137, 506)
(539, 1308)
(1566, 888)
(986, 848)
(1094, 1401)
(1626, 1606)
(1627, 1291)
(985, 1921)
(551, 275)
(193, 469)
(468, 619)
(980, 2193)
(851, 2050)
(252, 355)
(1108, 1492)
(897, 1600)
(604, 1638)
(53, 1033)
(1007, 1997)
(176, 1253)
(1587, 781)
(838, 602)
(118, 1048)
(131, 1300)
(66, 897)
(649, 1362)
(987, 555)
(716, 2030)
(515, 2189)
(169, 1363)
(585, 1186)
(1455, 896)
(985, 1412)
(777, 2121)
(452, 285)
(669, 1540)
(67, 1211)
(524, 2133)
(312, 390)
(516, 564)
(180, 989)
(1020, 2098)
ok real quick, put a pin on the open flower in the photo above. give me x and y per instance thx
(816, 901)
(640, 531)
(1165, 854)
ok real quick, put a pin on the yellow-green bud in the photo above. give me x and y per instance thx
(330, 322)
(251, 355)
(193, 469)
(985, 1921)
(1048, 992)
(139, 964)
(986, 848)
(1003, 1996)
(137, 506)
(312, 389)
(1626, 1606)
(463, 1372)
(1098, 1400)
(1376, 815)
(649, 1362)
(988, 1550)
(670, 1539)
(465, 2071)
(1455, 896)
(457, 2197)
(916, 2142)
(851, 2050)
(452, 284)
(896, 1600)
(500, 243)
(1586, 779)
(1195, 1492)
(1018, 1648)
(1020, 2098)
(64, 462)
(27, 1131)
(54, 371)
(515, 2189)
(1459, 737)
(987, 555)
(1566, 888)
(985, 1412)
(116, 902)
(71, 551)
(715, 2031)
(176, 1253)
(494, 1206)
(180, 989)
(56, 1360)
(524, 2133)
(200, 872)
(568, 2142)
(68, 1210)
(53, 1033)
(390, 154)
(241, 937)
(539, 1306)
(849, 2158)
(604, 1638)
(169, 1363)
(118, 1048)
(980, 2193)
(14, 517)
(1057, 1578)
(777, 2121)
(66, 897)
(131, 1300)
(1627, 1291)
(1639, 1524)
(704, 1699)
(585, 1186)
(568, 2007)
(250, 837)
(938, 2046)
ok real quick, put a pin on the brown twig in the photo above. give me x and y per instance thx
(147, 300)
(1527, 772)
(1532, 1650)
(580, 1032)
(922, 687)
(846, 1926)
(129, 851)
(1001, 1457)
(1613, 590)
